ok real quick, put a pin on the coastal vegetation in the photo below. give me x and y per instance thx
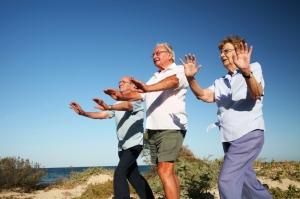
(19, 173)
(198, 178)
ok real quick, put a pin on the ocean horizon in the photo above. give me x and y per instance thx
(63, 173)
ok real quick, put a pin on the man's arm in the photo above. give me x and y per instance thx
(123, 106)
(167, 83)
(123, 96)
(170, 82)
(94, 115)
(190, 70)
(242, 61)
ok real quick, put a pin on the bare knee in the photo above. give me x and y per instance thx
(165, 169)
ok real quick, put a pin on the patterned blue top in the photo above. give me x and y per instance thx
(129, 125)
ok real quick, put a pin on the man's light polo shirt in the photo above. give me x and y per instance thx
(238, 114)
(166, 109)
(129, 125)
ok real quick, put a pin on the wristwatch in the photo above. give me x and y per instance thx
(247, 76)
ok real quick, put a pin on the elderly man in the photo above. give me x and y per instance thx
(166, 118)
(239, 96)
(129, 122)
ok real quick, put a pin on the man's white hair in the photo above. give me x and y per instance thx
(168, 47)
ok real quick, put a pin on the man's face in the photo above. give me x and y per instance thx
(161, 57)
(227, 54)
(125, 84)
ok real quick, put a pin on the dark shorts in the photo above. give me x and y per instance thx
(165, 144)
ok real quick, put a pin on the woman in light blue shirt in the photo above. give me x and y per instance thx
(238, 96)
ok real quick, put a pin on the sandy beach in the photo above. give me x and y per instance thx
(65, 193)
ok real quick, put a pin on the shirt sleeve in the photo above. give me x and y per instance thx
(181, 77)
(257, 73)
(143, 95)
(111, 113)
(137, 106)
(212, 87)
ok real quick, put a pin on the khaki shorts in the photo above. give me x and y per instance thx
(164, 144)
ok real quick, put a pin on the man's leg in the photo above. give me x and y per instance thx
(169, 143)
(238, 155)
(166, 172)
(121, 188)
(135, 178)
(164, 147)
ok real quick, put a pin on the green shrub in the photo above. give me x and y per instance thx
(17, 172)
(98, 191)
(291, 193)
(278, 170)
(196, 176)
(77, 178)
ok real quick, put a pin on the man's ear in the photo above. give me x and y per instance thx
(170, 57)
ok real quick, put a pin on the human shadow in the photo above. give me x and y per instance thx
(159, 100)
(245, 104)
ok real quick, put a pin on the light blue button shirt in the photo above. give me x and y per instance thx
(238, 114)
(129, 125)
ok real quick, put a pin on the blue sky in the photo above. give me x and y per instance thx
(54, 52)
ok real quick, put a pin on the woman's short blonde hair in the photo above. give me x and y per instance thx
(168, 47)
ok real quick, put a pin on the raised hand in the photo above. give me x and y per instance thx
(243, 56)
(101, 104)
(77, 108)
(190, 65)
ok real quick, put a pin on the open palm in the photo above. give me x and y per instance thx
(190, 65)
(243, 56)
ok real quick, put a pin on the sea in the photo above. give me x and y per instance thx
(63, 173)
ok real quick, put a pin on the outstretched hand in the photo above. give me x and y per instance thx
(141, 87)
(243, 56)
(101, 104)
(113, 93)
(77, 108)
(190, 65)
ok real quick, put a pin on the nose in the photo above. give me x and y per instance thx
(222, 54)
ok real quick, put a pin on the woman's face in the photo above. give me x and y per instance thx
(226, 55)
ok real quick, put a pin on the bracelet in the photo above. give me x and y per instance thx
(247, 76)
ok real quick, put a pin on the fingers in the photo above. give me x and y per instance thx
(98, 100)
(138, 83)
(237, 48)
(243, 48)
(190, 58)
(109, 91)
(250, 49)
(74, 105)
(181, 61)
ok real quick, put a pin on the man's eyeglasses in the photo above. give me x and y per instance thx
(159, 52)
(124, 82)
(226, 51)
